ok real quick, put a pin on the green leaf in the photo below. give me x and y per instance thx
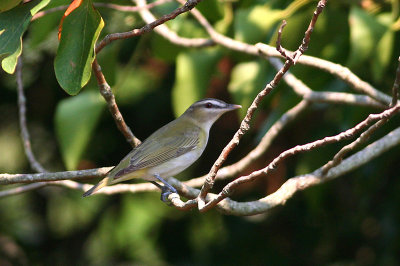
(193, 74)
(382, 55)
(13, 24)
(75, 55)
(365, 32)
(6, 5)
(253, 24)
(75, 120)
(247, 79)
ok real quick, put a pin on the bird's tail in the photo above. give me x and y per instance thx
(104, 182)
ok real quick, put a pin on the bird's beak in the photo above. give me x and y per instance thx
(234, 106)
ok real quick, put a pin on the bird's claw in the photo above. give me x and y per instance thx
(166, 189)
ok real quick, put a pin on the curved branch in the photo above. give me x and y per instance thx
(168, 34)
(26, 140)
(245, 124)
(148, 27)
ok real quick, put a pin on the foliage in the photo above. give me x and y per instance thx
(351, 220)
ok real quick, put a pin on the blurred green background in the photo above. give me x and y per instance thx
(353, 220)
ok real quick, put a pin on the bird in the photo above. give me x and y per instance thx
(169, 150)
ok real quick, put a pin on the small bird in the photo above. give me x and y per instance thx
(169, 150)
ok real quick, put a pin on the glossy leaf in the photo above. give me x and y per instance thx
(365, 32)
(383, 52)
(247, 79)
(75, 120)
(193, 73)
(13, 24)
(251, 25)
(75, 55)
(42, 29)
(6, 5)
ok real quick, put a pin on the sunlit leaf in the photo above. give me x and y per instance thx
(75, 55)
(253, 24)
(193, 73)
(247, 79)
(383, 52)
(75, 120)
(13, 24)
(8, 4)
(365, 32)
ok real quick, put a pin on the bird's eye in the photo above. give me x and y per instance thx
(209, 105)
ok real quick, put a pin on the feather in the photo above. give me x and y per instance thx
(151, 153)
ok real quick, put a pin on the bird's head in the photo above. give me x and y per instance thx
(205, 112)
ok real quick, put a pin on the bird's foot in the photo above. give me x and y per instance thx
(166, 189)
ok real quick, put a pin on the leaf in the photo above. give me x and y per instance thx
(13, 24)
(75, 55)
(74, 5)
(6, 5)
(382, 55)
(193, 73)
(251, 25)
(41, 30)
(75, 121)
(247, 79)
(365, 32)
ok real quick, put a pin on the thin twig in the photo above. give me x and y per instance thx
(6, 179)
(330, 97)
(228, 189)
(106, 92)
(335, 69)
(279, 47)
(396, 84)
(337, 159)
(245, 124)
(21, 189)
(121, 8)
(148, 27)
(26, 140)
(168, 34)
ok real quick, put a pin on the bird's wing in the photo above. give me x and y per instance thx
(153, 153)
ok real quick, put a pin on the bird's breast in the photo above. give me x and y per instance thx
(176, 165)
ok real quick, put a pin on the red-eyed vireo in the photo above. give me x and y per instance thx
(169, 150)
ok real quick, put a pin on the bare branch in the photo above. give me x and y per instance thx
(279, 47)
(335, 69)
(330, 97)
(168, 34)
(279, 197)
(245, 124)
(21, 189)
(6, 179)
(121, 8)
(108, 95)
(395, 89)
(385, 115)
(148, 27)
(22, 121)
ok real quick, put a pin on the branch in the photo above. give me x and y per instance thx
(245, 124)
(106, 92)
(168, 34)
(121, 8)
(22, 121)
(330, 97)
(384, 116)
(335, 69)
(6, 179)
(279, 197)
(395, 89)
(148, 27)
(105, 88)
